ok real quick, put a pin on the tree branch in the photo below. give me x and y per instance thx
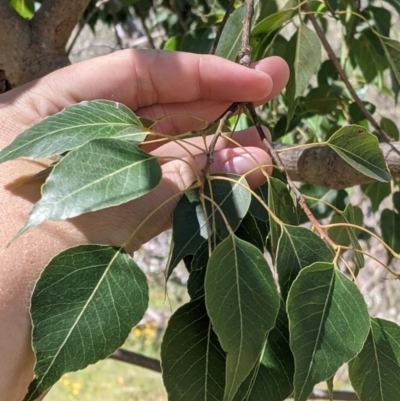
(136, 359)
(320, 165)
(342, 74)
(143, 361)
(55, 20)
(13, 30)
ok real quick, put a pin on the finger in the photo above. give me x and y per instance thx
(193, 115)
(140, 78)
(179, 149)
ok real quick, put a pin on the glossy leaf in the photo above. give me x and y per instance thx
(375, 371)
(83, 307)
(242, 302)
(328, 323)
(193, 363)
(272, 379)
(75, 126)
(191, 227)
(298, 247)
(360, 149)
(99, 174)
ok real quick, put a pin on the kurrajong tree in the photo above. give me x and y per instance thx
(253, 330)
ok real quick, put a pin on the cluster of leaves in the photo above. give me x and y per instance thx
(253, 330)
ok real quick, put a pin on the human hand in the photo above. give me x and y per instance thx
(153, 84)
(156, 84)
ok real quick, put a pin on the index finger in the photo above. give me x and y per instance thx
(140, 78)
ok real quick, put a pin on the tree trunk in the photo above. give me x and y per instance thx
(30, 49)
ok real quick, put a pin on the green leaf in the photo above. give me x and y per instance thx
(368, 53)
(271, 23)
(322, 99)
(257, 209)
(83, 307)
(390, 228)
(347, 235)
(392, 50)
(25, 8)
(191, 227)
(376, 193)
(75, 126)
(195, 284)
(99, 174)
(381, 17)
(242, 302)
(231, 37)
(281, 205)
(375, 371)
(396, 199)
(328, 323)
(298, 247)
(390, 127)
(193, 363)
(272, 379)
(195, 41)
(304, 59)
(357, 147)
(253, 231)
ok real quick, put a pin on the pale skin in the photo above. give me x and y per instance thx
(153, 84)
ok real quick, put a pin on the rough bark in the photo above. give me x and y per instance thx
(30, 49)
(322, 166)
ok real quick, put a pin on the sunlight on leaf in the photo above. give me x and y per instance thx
(190, 226)
(357, 147)
(74, 126)
(99, 174)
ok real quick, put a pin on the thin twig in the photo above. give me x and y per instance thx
(139, 11)
(136, 359)
(278, 162)
(83, 23)
(221, 27)
(245, 57)
(342, 74)
(222, 122)
(245, 49)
